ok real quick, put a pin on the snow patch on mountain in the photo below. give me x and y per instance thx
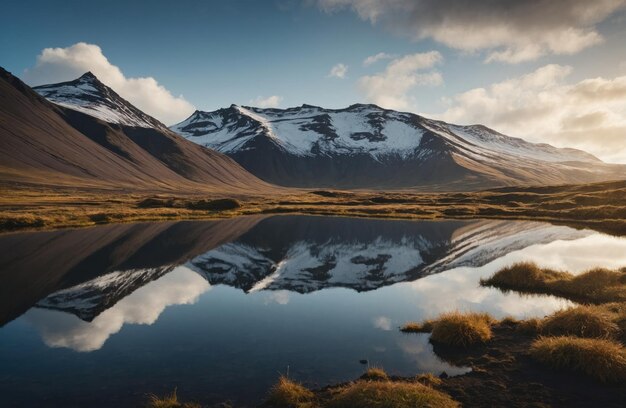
(306, 131)
(90, 96)
(359, 129)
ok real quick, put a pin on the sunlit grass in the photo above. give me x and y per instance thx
(375, 374)
(456, 328)
(388, 394)
(417, 327)
(169, 401)
(601, 206)
(602, 359)
(582, 321)
(287, 393)
(597, 285)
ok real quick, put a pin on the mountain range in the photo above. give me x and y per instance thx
(87, 271)
(365, 146)
(97, 139)
(81, 133)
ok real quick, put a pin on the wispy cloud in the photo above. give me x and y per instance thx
(372, 59)
(64, 64)
(273, 101)
(338, 71)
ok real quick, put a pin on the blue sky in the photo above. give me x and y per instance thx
(209, 54)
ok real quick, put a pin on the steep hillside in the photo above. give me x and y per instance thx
(47, 144)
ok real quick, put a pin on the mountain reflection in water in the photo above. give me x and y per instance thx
(201, 302)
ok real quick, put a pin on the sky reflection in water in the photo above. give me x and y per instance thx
(210, 340)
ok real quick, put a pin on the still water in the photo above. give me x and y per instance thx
(105, 316)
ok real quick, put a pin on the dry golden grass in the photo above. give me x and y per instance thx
(456, 328)
(375, 374)
(169, 401)
(601, 206)
(462, 329)
(529, 326)
(290, 394)
(602, 359)
(414, 327)
(582, 321)
(594, 286)
(388, 394)
(429, 379)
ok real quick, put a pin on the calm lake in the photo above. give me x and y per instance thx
(104, 316)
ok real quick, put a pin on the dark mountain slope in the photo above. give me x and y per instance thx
(47, 144)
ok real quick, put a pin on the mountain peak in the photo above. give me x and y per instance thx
(361, 106)
(87, 94)
(88, 75)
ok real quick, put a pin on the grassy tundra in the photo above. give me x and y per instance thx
(601, 206)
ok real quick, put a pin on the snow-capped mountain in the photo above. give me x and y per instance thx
(82, 133)
(88, 95)
(356, 254)
(87, 300)
(367, 146)
(306, 254)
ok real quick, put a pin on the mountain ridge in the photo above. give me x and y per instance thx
(366, 146)
(362, 146)
(51, 144)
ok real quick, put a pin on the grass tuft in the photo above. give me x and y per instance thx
(290, 394)
(375, 374)
(602, 359)
(414, 327)
(387, 394)
(456, 328)
(594, 286)
(530, 326)
(428, 379)
(169, 401)
(462, 329)
(582, 321)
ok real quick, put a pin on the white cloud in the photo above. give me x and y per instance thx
(372, 59)
(64, 64)
(542, 107)
(273, 101)
(390, 88)
(382, 323)
(338, 71)
(144, 306)
(280, 297)
(510, 31)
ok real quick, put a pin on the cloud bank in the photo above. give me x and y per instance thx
(541, 107)
(390, 88)
(509, 31)
(64, 64)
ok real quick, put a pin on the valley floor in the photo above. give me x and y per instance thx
(600, 206)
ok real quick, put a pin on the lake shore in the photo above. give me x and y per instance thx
(600, 206)
(575, 357)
